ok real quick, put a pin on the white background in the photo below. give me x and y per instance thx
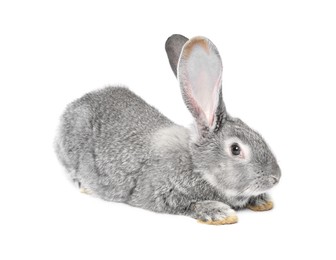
(279, 76)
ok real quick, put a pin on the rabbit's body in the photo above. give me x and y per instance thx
(121, 149)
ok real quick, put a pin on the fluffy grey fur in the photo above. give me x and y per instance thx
(121, 149)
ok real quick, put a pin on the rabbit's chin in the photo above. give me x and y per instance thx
(251, 191)
(256, 188)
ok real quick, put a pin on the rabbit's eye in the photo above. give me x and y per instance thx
(235, 149)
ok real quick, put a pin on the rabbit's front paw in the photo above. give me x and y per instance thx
(214, 213)
(260, 203)
(85, 191)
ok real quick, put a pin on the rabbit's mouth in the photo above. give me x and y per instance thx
(267, 180)
(267, 183)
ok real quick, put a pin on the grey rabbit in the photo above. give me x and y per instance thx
(119, 148)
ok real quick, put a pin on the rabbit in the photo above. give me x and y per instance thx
(120, 149)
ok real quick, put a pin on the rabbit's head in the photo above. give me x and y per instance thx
(225, 151)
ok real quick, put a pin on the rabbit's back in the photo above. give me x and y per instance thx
(104, 140)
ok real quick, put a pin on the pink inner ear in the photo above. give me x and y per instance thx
(205, 84)
(200, 73)
(203, 100)
(192, 104)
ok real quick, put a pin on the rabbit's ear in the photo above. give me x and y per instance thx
(174, 45)
(200, 76)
